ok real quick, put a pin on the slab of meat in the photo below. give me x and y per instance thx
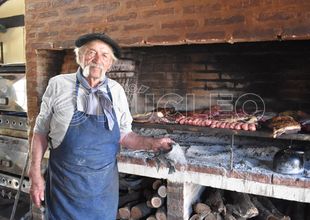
(284, 124)
(150, 117)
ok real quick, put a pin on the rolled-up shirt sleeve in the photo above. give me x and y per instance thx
(125, 115)
(42, 124)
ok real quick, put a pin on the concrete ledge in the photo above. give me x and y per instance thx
(278, 186)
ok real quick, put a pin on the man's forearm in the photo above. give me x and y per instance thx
(136, 142)
(38, 148)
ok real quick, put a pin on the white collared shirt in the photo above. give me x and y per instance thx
(59, 101)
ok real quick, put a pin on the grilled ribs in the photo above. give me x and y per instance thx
(284, 124)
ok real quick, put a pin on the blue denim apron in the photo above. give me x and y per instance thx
(82, 180)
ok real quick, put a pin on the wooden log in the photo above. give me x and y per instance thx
(299, 211)
(127, 183)
(147, 194)
(161, 213)
(140, 210)
(157, 201)
(149, 204)
(264, 213)
(117, 216)
(210, 216)
(201, 208)
(124, 212)
(162, 191)
(151, 217)
(215, 201)
(235, 209)
(153, 200)
(195, 217)
(229, 216)
(133, 196)
(267, 203)
(230, 208)
(243, 206)
(156, 184)
(218, 216)
(201, 216)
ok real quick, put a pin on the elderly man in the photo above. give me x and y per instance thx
(84, 117)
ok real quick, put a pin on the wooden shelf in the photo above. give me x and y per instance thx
(189, 128)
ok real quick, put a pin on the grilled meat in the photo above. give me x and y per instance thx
(284, 124)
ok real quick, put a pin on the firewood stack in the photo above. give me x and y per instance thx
(142, 198)
(227, 205)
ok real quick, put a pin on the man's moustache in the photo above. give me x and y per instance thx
(96, 66)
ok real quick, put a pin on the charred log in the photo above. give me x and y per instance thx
(140, 210)
(215, 201)
(161, 213)
(242, 205)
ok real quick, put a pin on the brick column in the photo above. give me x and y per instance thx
(175, 200)
(180, 197)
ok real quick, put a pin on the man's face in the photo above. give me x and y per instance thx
(96, 59)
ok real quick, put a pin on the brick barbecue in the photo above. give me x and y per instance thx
(190, 55)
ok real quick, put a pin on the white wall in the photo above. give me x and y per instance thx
(14, 38)
(11, 8)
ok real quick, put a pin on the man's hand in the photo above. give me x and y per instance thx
(37, 187)
(158, 144)
(138, 142)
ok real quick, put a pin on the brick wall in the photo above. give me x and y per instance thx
(198, 76)
(49, 64)
(53, 25)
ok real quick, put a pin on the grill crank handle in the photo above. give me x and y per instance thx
(20, 187)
